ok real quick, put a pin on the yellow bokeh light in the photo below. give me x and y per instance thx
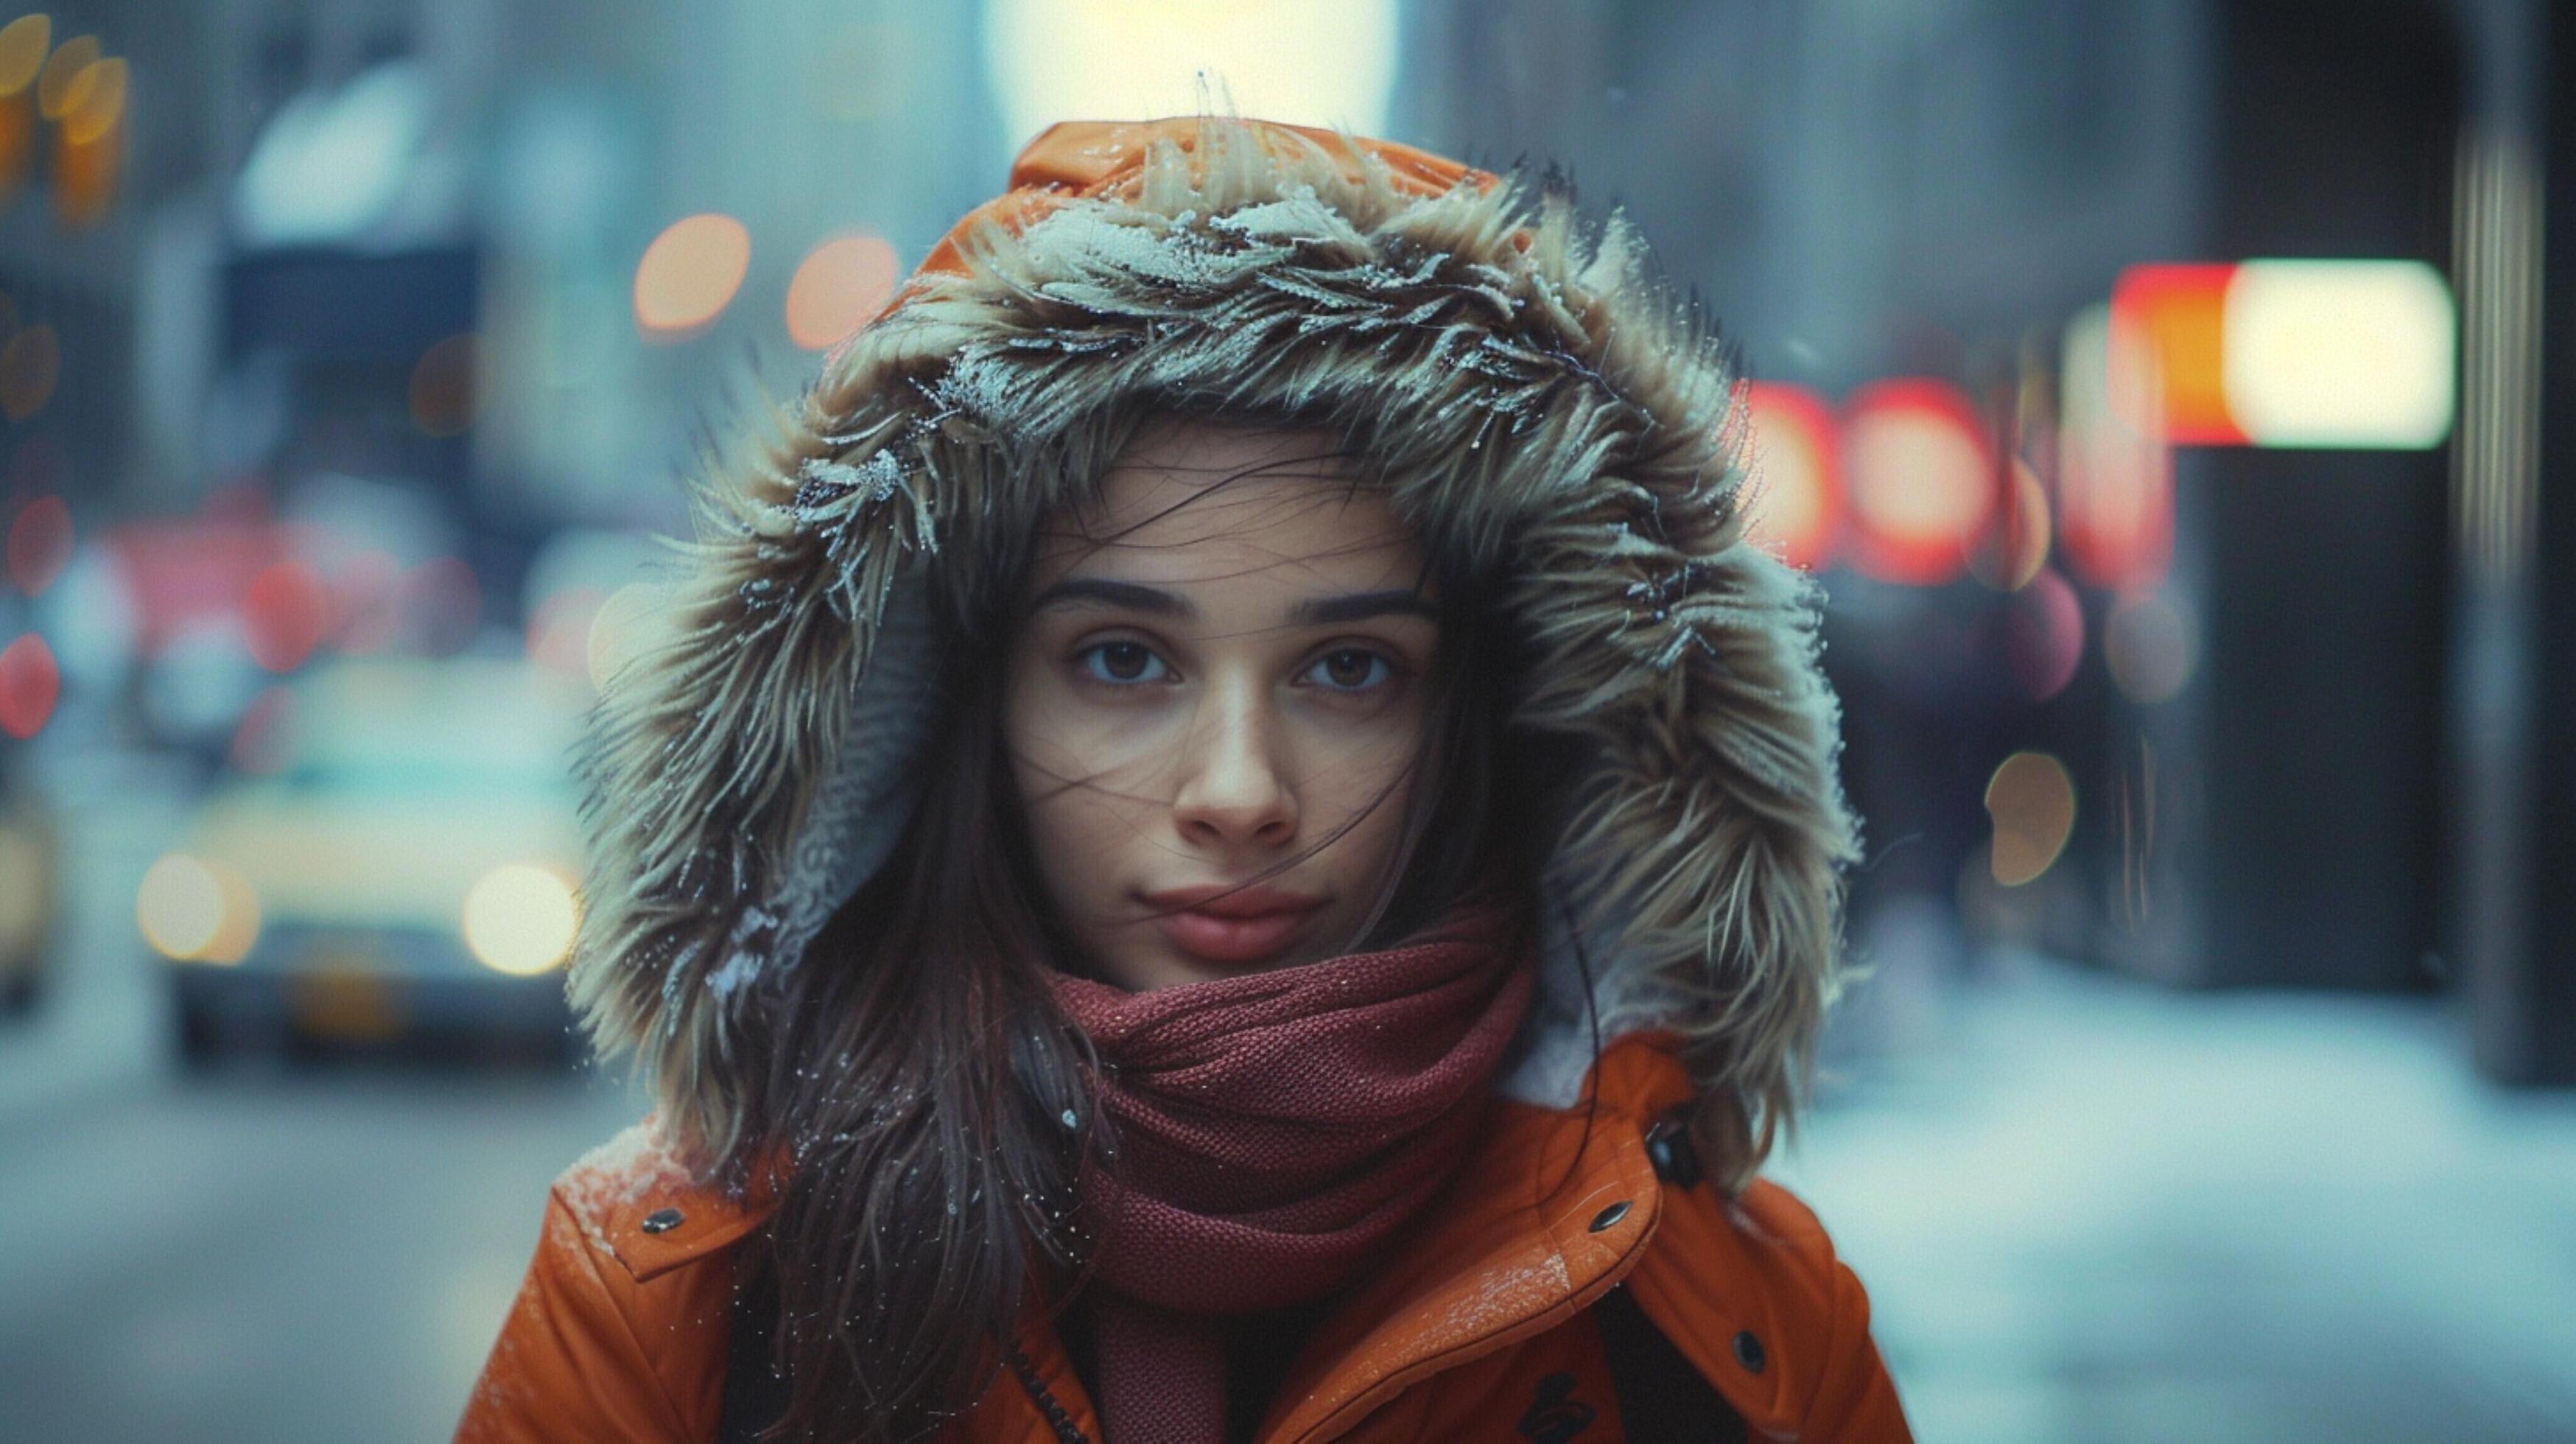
(2032, 801)
(95, 102)
(193, 910)
(54, 83)
(520, 919)
(23, 43)
(838, 287)
(690, 273)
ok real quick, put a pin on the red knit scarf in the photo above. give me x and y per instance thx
(1272, 1131)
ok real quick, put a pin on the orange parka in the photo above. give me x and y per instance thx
(1485, 1328)
(1535, 404)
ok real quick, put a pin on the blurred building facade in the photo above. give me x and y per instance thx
(2344, 793)
(2356, 786)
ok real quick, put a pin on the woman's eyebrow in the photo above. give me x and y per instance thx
(1116, 594)
(1353, 606)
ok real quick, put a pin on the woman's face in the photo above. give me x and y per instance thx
(1219, 667)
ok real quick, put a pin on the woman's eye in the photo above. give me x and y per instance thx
(1123, 662)
(1351, 670)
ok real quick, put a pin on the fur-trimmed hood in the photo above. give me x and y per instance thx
(1522, 385)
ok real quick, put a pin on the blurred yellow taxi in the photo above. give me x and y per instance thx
(407, 864)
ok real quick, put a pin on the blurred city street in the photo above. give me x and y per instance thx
(2174, 400)
(311, 1256)
(2087, 1209)
(266, 1253)
(2096, 1210)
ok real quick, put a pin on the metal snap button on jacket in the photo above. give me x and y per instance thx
(1668, 1148)
(662, 1220)
(1610, 1215)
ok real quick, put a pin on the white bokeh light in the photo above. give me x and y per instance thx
(2340, 353)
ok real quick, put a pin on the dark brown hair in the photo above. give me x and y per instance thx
(933, 1102)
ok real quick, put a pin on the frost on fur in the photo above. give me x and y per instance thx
(1531, 398)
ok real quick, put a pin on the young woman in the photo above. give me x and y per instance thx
(1233, 845)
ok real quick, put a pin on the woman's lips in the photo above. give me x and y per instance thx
(1233, 925)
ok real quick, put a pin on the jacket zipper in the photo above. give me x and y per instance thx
(1066, 1431)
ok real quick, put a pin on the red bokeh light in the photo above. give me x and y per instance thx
(1922, 478)
(29, 685)
(284, 614)
(1794, 502)
(2178, 312)
(837, 288)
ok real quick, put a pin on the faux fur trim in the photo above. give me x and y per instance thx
(1529, 395)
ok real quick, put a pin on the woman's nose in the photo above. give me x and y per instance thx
(1233, 792)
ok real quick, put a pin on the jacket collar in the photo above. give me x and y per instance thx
(1553, 1208)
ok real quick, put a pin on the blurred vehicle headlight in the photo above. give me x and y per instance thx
(193, 910)
(520, 918)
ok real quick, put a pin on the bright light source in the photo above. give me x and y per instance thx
(520, 919)
(690, 273)
(839, 287)
(1793, 502)
(2032, 801)
(2289, 353)
(1315, 62)
(1922, 479)
(2177, 315)
(2341, 353)
(193, 910)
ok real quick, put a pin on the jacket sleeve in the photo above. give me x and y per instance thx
(568, 1365)
(1855, 1400)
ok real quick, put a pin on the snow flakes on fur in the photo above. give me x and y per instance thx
(1529, 396)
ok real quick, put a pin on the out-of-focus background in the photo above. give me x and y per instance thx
(2176, 396)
